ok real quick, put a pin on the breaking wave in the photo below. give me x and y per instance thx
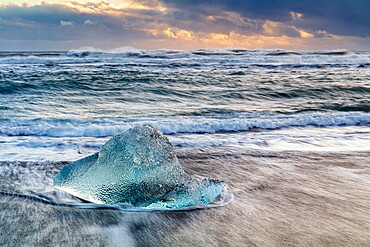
(253, 58)
(91, 51)
(322, 52)
(178, 125)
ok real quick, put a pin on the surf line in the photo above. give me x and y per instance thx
(44, 199)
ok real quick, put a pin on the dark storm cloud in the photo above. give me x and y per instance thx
(192, 23)
(340, 17)
(60, 26)
(49, 15)
(38, 14)
(56, 22)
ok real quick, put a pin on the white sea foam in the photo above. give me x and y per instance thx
(176, 125)
(71, 139)
(96, 52)
(242, 57)
(335, 138)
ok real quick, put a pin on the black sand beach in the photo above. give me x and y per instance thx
(281, 199)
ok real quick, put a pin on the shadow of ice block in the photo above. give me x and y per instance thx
(137, 167)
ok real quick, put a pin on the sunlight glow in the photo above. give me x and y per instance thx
(155, 23)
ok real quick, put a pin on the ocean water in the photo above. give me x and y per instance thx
(288, 131)
(63, 105)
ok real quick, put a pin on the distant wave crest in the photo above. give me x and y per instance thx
(91, 51)
(251, 58)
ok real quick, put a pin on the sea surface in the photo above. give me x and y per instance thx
(288, 131)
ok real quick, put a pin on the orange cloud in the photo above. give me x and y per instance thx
(151, 24)
(296, 15)
(271, 27)
(177, 33)
(171, 36)
(304, 34)
(234, 39)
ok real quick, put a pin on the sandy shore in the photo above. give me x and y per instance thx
(281, 199)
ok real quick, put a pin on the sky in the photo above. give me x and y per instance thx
(185, 24)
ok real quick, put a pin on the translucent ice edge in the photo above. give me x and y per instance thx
(223, 199)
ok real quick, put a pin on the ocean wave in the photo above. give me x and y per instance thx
(329, 52)
(127, 52)
(319, 52)
(44, 60)
(360, 106)
(283, 53)
(254, 58)
(178, 125)
(323, 92)
(91, 51)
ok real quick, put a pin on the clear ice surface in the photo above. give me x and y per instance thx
(138, 167)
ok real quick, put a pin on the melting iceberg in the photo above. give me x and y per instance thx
(138, 167)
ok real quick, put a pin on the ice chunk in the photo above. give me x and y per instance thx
(138, 167)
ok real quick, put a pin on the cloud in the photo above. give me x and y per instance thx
(66, 23)
(187, 24)
(61, 27)
(295, 15)
(340, 17)
(89, 23)
(273, 28)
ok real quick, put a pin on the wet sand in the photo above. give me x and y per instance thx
(281, 199)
